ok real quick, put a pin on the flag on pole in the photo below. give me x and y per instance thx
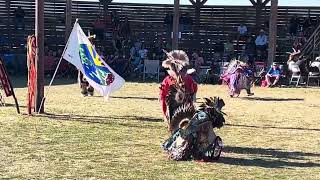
(82, 54)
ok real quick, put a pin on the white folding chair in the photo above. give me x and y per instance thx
(314, 74)
(296, 74)
(2, 102)
(151, 67)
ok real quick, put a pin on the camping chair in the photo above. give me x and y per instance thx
(259, 72)
(151, 67)
(204, 73)
(314, 72)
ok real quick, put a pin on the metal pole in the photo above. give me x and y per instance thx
(39, 31)
(273, 31)
(175, 38)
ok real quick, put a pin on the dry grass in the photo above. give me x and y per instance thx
(273, 135)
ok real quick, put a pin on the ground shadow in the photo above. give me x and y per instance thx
(21, 81)
(265, 163)
(282, 160)
(271, 99)
(14, 105)
(100, 119)
(273, 127)
(131, 97)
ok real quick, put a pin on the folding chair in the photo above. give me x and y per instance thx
(2, 102)
(296, 74)
(151, 67)
(314, 72)
(204, 73)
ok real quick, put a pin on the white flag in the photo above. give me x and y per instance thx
(82, 54)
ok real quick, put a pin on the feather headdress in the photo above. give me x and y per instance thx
(176, 61)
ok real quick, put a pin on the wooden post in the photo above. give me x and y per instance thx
(273, 31)
(8, 22)
(68, 19)
(176, 15)
(259, 4)
(39, 31)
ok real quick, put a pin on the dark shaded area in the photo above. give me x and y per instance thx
(273, 127)
(265, 163)
(21, 81)
(281, 162)
(100, 119)
(131, 97)
(271, 99)
(13, 105)
(275, 153)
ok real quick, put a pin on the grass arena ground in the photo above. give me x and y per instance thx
(272, 135)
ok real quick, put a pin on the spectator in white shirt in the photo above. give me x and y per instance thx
(261, 44)
(242, 30)
(261, 40)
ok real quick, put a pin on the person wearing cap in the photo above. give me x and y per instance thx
(273, 73)
(176, 66)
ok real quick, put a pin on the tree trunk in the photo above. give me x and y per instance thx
(197, 23)
(39, 28)
(258, 18)
(175, 25)
(273, 31)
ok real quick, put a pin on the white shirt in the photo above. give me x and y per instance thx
(261, 40)
(242, 29)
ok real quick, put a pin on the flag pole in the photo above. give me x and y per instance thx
(55, 72)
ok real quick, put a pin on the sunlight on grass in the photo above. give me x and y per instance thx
(273, 135)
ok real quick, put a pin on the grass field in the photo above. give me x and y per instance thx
(272, 135)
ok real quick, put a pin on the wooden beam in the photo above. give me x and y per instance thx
(39, 28)
(273, 31)
(176, 24)
(68, 19)
(253, 3)
(265, 2)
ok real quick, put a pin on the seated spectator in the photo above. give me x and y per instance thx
(19, 18)
(250, 50)
(143, 53)
(198, 61)
(242, 30)
(300, 40)
(125, 29)
(295, 59)
(293, 26)
(115, 19)
(274, 74)
(116, 43)
(261, 44)
(157, 49)
(219, 48)
(98, 28)
(229, 49)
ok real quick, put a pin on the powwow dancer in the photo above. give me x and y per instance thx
(192, 134)
(86, 88)
(238, 76)
(183, 83)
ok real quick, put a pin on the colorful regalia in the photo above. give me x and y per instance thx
(191, 128)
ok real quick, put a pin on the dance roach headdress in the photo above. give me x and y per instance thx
(176, 61)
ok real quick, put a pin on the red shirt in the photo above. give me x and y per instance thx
(190, 85)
